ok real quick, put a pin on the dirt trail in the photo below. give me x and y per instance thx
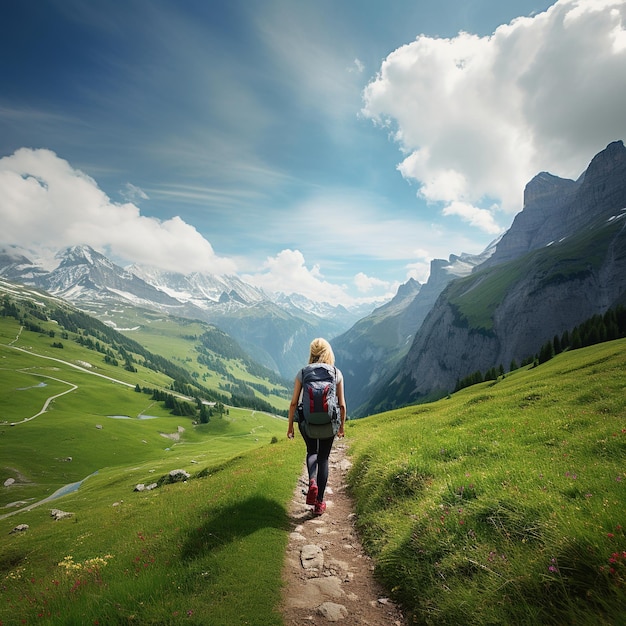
(327, 576)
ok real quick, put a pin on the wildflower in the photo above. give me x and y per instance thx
(553, 568)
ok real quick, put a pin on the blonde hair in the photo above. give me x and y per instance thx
(321, 352)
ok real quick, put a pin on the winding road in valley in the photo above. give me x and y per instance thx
(72, 386)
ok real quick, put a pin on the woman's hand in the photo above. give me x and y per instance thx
(290, 431)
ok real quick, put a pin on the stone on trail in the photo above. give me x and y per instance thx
(9, 481)
(312, 557)
(332, 612)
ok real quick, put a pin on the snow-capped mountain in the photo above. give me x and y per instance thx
(83, 275)
(324, 310)
(17, 267)
(275, 331)
(202, 290)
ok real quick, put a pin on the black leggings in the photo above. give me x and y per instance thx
(317, 453)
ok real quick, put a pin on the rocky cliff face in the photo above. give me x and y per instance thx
(538, 224)
(562, 261)
(532, 312)
(555, 208)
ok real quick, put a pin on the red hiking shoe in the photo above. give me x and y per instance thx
(311, 496)
(320, 507)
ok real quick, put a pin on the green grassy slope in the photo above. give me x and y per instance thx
(87, 397)
(505, 503)
(212, 357)
(207, 551)
(150, 350)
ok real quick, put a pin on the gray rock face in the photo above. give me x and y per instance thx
(555, 207)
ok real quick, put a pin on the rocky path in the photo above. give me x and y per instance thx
(327, 576)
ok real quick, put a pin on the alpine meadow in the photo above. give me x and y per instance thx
(502, 503)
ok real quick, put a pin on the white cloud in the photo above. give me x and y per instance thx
(357, 66)
(481, 218)
(478, 117)
(365, 283)
(419, 271)
(287, 273)
(45, 204)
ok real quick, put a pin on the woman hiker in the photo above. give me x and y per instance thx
(318, 437)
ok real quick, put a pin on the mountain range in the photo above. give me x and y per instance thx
(562, 260)
(275, 330)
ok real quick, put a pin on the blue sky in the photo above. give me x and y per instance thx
(331, 148)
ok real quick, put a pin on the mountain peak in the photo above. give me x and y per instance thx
(544, 186)
(80, 255)
(410, 288)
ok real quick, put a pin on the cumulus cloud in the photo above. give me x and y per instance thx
(366, 284)
(481, 218)
(46, 204)
(287, 273)
(478, 117)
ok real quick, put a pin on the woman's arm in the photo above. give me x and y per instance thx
(295, 398)
(343, 410)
